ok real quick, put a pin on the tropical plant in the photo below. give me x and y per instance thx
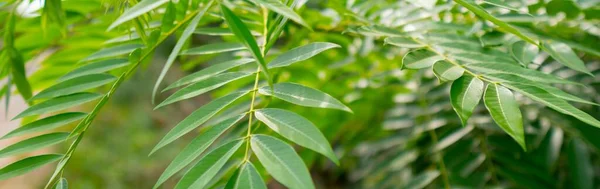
(270, 63)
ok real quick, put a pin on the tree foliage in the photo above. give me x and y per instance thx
(410, 93)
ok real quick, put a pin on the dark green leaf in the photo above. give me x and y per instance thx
(504, 109)
(582, 173)
(75, 85)
(46, 124)
(33, 143)
(465, 94)
(209, 72)
(28, 164)
(59, 103)
(523, 52)
(96, 67)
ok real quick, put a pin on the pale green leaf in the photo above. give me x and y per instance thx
(304, 96)
(59, 103)
(580, 165)
(553, 102)
(523, 52)
(197, 118)
(242, 32)
(247, 177)
(213, 31)
(214, 48)
(75, 85)
(300, 54)
(280, 8)
(96, 67)
(46, 124)
(208, 166)
(195, 148)
(479, 11)
(297, 129)
(404, 42)
(189, 29)
(422, 180)
(446, 71)
(33, 143)
(202, 87)
(26, 165)
(421, 58)
(504, 109)
(509, 78)
(565, 55)
(138, 9)
(465, 94)
(534, 75)
(209, 72)
(282, 162)
(113, 51)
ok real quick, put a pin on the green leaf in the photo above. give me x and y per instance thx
(509, 78)
(96, 67)
(113, 51)
(404, 42)
(202, 87)
(19, 76)
(484, 14)
(59, 103)
(75, 85)
(421, 58)
(580, 165)
(281, 161)
(138, 9)
(46, 124)
(297, 129)
(280, 8)
(209, 72)
(446, 71)
(523, 52)
(26, 165)
(199, 175)
(565, 55)
(195, 148)
(553, 102)
(534, 75)
(213, 31)
(214, 48)
(62, 184)
(242, 32)
(504, 109)
(300, 54)
(465, 94)
(247, 177)
(33, 143)
(303, 96)
(169, 17)
(189, 29)
(197, 118)
(422, 180)
(451, 139)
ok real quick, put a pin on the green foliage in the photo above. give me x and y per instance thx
(408, 77)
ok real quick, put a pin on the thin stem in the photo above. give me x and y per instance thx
(440, 159)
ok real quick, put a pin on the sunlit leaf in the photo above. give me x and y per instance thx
(246, 177)
(465, 94)
(113, 51)
(489, 68)
(26, 165)
(214, 48)
(280, 8)
(446, 71)
(59, 103)
(195, 148)
(179, 45)
(96, 67)
(46, 124)
(241, 31)
(300, 54)
(297, 129)
(304, 96)
(565, 55)
(33, 143)
(505, 111)
(138, 9)
(421, 58)
(281, 161)
(203, 86)
(197, 118)
(199, 175)
(403, 42)
(75, 85)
